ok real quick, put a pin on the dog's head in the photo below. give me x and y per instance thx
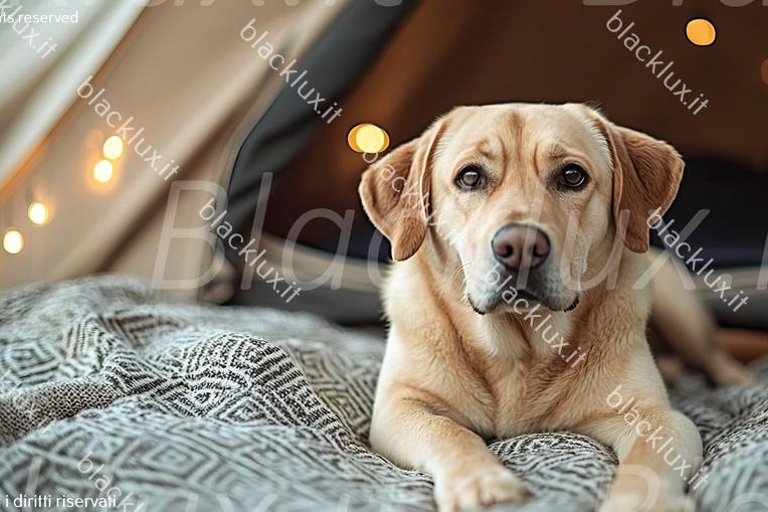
(530, 195)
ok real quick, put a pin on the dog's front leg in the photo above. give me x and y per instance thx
(658, 453)
(408, 429)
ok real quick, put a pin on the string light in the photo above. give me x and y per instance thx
(13, 241)
(103, 171)
(113, 147)
(38, 213)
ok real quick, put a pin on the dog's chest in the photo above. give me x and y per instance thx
(523, 402)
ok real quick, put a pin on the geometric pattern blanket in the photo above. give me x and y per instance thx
(114, 398)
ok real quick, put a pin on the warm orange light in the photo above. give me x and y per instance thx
(13, 241)
(700, 32)
(103, 171)
(368, 138)
(38, 213)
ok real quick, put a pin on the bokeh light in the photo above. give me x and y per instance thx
(701, 32)
(368, 138)
(113, 147)
(13, 241)
(38, 213)
(103, 171)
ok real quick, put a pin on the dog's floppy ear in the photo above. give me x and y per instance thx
(646, 176)
(395, 193)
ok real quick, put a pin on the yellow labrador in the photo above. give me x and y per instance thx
(519, 232)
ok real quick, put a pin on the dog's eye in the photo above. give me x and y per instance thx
(573, 176)
(470, 177)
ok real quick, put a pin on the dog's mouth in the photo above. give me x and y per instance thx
(530, 299)
(474, 307)
(573, 305)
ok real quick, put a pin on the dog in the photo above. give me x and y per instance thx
(501, 214)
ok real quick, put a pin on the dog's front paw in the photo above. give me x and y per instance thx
(479, 488)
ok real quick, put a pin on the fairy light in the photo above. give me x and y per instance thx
(38, 213)
(113, 148)
(13, 241)
(103, 171)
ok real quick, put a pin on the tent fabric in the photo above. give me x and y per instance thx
(343, 52)
(113, 391)
(185, 75)
(38, 88)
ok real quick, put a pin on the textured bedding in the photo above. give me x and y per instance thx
(110, 392)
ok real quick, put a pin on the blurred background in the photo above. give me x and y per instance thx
(206, 98)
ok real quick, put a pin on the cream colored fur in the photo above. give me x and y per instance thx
(454, 375)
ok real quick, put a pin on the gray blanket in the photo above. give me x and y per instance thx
(112, 397)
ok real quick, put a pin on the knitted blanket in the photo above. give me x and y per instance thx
(113, 398)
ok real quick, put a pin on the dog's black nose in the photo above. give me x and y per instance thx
(519, 246)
